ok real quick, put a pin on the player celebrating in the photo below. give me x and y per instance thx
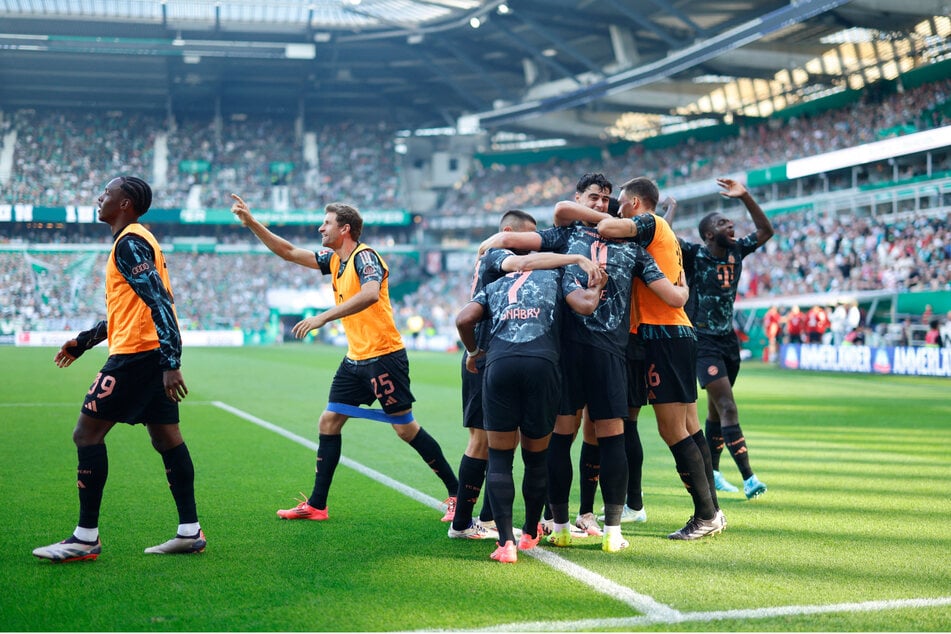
(141, 381)
(713, 272)
(376, 366)
(521, 384)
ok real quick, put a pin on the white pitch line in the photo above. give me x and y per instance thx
(706, 617)
(654, 611)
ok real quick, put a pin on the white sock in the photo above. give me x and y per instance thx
(612, 530)
(86, 534)
(560, 527)
(189, 530)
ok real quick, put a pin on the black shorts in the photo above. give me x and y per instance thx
(384, 379)
(718, 356)
(521, 393)
(671, 364)
(472, 412)
(130, 389)
(593, 377)
(636, 372)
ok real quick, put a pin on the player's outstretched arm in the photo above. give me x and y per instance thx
(517, 240)
(736, 189)
(546, 260)
(277, 244)
(568, 211)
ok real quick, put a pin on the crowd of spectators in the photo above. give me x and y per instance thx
(64, 291)
(811, 253)
(63, 158)
(488, 189)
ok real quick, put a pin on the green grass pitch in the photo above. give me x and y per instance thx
(851, 536)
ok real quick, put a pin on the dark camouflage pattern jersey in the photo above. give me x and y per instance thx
(607, 328)
(488, 268)
(713, 283)
(524, 310)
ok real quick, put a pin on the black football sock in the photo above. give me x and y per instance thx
(501, 488)
(430, 451)
(736, 444)
(180, 473)
(328, 457)
(471, 477)
(485, 515)
(559, 476)
(613, 477)
(707, 465)
(635, 464)
(589, 469)
(715, 442)
(692, 473)
(534, 488)
(91, 473)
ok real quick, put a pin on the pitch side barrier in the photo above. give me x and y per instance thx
(903, 360)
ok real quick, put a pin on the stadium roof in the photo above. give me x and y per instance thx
(575, 68)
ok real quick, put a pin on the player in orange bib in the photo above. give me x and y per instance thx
(376, 367)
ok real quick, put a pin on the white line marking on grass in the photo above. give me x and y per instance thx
(356, 466)
(706, 617)
(652, 610)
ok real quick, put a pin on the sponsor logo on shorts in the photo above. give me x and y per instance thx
(712, 371)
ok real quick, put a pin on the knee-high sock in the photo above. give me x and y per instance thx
(690, 466)
(180, 473)
(471, 477)
(635, 464)
(485, 515)
(430, 451)
(559, 476)
(736, 443)
(92, 471)
(715, 442)
(328, 457)
(707, 465)
(613, 477)
(589, 469)
(534, 488)
(501, 488)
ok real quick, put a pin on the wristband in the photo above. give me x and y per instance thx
(474, 353)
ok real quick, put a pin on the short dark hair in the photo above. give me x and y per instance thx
(593, 178)
(517, 220)
(706, 224)
(347, 215)
(138, 191)
(614, 206)
(644, 188)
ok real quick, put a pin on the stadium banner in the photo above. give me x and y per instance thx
(903, 360)
(190, 338)
(221, 216)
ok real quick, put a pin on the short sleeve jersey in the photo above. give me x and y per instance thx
(371, 332)
(713, 283)
(606, 328)
(488, 268)
(525, 311)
